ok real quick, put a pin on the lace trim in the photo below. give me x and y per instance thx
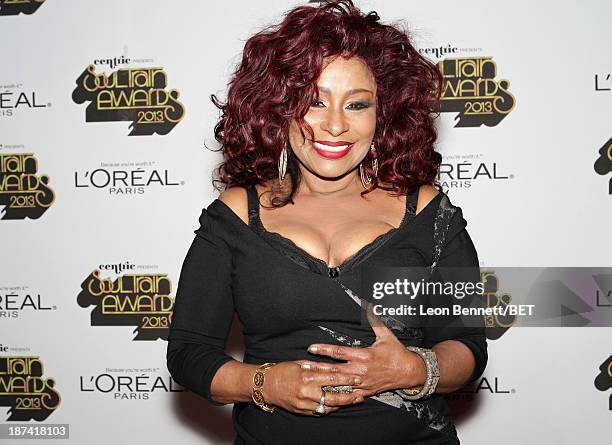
(303, 258)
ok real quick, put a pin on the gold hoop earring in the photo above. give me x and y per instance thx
(366, 180)
(374, 161)
(282, 165)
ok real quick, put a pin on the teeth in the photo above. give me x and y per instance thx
(329, 147)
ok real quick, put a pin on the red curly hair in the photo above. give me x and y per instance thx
(277, 81)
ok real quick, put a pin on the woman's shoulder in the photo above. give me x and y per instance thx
(446, 214)
(427, 193)
(236, 199)
(439, 207)
(225, 217)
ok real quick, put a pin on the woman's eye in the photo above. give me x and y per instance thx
(360, 105)
(353, 106)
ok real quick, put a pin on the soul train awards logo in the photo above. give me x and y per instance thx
(130, 94)
(23, 388)
(125, 178)
(16, 300)
(603, 381)
(470, 89)
(496, 324)
(141, 300)
(14, 7)
(603, 164)
(129, 383)
(23, 193)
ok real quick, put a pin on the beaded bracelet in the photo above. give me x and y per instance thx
(433, 375)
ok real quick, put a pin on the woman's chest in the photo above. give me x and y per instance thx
(274, 289)
(332, 231)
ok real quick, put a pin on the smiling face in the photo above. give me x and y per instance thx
(343, 119)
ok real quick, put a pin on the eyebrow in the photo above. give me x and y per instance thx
(349, 92)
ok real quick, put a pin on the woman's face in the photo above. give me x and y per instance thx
(343, 120)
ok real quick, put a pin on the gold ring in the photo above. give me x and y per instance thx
(344, 389)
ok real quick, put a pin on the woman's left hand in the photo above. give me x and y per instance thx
(386, 364)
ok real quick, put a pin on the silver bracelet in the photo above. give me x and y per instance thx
(433, 375)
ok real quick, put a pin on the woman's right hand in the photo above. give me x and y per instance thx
(298, 390)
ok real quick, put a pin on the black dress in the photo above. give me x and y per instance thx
(287, 299)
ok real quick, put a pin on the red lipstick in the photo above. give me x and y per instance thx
(332, 149)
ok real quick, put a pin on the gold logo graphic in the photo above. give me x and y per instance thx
(603, 381)
(471, 90)
(141, 300)
(23, 193)
(15, 7)
(603, 164)
(496, 325)
(23, 388)
(131, 94)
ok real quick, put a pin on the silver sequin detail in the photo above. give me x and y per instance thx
(345, 339)
(443, 217)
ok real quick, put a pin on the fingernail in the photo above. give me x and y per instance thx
(357, 380)
(306, 366)
(313, 348)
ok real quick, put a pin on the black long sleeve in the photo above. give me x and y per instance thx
(459, 252)
(203, 312)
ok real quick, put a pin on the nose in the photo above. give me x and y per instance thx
(334, 122)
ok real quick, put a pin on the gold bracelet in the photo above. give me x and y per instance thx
(413, 391)
(258, 381)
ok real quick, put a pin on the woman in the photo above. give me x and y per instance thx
(329, 166)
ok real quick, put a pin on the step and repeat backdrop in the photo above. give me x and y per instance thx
(106, 138)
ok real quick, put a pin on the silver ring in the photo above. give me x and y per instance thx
(321, 407)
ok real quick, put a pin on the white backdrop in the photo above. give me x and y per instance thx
(548, 206)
